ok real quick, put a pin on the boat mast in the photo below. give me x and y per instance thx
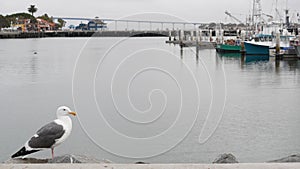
(256, 13)
(253, 9)
(287, 17)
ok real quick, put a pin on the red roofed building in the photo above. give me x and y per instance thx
(44, 25)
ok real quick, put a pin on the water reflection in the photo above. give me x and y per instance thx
(256, 58)
(230, 55)
(277, 66)
(291, 64)
(34, 68)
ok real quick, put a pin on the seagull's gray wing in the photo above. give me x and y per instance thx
(46, 136)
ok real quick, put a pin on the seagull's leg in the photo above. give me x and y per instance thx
(52, 152)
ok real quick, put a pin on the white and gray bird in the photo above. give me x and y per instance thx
(50, 135)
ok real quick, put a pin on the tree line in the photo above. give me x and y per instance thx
(5, 21)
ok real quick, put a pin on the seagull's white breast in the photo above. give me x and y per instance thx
(66, 122)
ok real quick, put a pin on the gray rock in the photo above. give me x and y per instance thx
(225, 158)
(289, 159)
(65, 159)
(59, 159)
(25, 161)
(141, 162)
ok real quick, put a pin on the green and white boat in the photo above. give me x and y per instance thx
(226, 48)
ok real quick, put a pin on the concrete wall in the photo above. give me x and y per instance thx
(155, 166)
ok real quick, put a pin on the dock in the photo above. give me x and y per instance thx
(191, 43)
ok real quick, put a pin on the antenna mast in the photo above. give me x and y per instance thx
(256, 12)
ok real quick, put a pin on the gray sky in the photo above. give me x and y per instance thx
(190, 10)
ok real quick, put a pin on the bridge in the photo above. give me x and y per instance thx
(149, 22)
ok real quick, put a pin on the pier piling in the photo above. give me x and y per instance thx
(192, 35)
(277, 55)
(243, 35)
(197, 45)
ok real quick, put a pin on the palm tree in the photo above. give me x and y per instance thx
(32, 9)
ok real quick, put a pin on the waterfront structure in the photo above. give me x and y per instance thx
(96, 24)
(25, 25)
(81, 26)
(43, 25)
(21, 25)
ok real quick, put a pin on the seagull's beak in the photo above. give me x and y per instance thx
(72, 113)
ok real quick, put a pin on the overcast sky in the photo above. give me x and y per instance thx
(190, 10)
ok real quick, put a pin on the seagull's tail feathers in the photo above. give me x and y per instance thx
(23, 152)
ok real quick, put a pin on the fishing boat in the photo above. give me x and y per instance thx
(295, 43)
(230, 46)
(255, 48)
(287, 50)
(225, 48)
(262, 44)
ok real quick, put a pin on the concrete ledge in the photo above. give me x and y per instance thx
(155, 166)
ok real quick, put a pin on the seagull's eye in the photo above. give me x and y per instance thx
(64, 109)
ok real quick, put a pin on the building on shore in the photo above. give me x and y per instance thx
(43, 25)
(96, 24)
(27, 25)
(81, 26)
(92, 25)
(20, 25)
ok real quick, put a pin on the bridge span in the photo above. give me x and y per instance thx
(149, 22)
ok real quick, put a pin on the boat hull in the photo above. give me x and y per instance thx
(256, 49)
(223, 48)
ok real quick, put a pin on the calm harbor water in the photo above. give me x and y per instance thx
(247, 106)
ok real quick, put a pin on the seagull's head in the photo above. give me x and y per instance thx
(64, 111)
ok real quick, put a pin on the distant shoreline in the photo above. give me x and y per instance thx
(103, 33)
(20, 35)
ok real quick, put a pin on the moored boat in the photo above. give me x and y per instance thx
(253, 48)
(226, 48)
(229, 46)
(296, 44)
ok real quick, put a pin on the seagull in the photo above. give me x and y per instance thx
(50, 135)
